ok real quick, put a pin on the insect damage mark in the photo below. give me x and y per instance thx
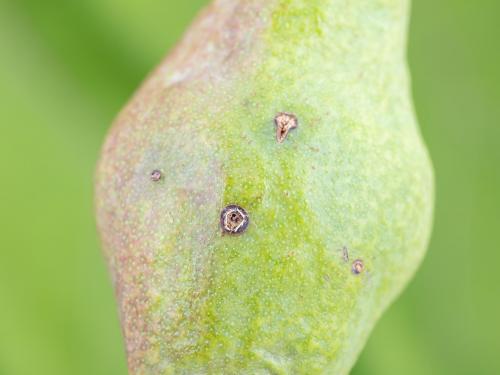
(234, 219)
(284, 123)
(345, 254)
(357, 267)
(156, 175)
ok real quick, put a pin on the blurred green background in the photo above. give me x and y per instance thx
(67, 67)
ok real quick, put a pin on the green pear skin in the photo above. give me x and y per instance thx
(339, 208)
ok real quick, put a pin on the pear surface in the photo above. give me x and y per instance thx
(299, 114)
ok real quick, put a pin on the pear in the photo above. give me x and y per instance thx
(266, 193)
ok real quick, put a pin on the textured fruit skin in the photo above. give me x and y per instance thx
(280, 298)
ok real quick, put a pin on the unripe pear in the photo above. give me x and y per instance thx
(266, 193)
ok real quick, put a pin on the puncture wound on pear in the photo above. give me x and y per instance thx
(234, 219)
(358, 266)
(284, 123)
(156, 175)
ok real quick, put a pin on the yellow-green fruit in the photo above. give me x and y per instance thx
(297, 112)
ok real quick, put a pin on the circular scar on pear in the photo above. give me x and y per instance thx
(234, 219)
(156, 175)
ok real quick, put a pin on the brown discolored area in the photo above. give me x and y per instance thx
(357, 266)
(234, 219)
(284, 123)
(156, 175)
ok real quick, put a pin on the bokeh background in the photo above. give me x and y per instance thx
(67, 67)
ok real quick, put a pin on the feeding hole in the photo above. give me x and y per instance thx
(156, 175)
(234, 219)
(284, 123)
(357, 266)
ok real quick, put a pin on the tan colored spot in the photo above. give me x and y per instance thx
(357, 266)
(234, 219)
(156, 175)
(284, 123)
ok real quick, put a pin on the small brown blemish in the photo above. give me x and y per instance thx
(357, 266)
(234, 219)
(345, 254)
(284, 123)
(156, 175)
